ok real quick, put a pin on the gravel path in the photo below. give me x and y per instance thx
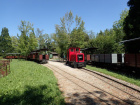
(79, 87)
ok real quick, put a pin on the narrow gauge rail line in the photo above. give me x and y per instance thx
(107, 77)
(98, 75)
(88, 84)
(77, 84)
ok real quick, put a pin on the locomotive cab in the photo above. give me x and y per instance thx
(75, 58)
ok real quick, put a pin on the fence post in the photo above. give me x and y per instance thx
(9, 67)
(6, 69)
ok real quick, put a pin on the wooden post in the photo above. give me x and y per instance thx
(9, 67)
(6, 69)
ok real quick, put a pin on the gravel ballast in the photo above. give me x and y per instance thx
(79, 87)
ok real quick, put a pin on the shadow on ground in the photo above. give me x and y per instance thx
(31, 96)
(87, 99)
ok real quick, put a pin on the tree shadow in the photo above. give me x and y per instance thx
(32, 96)
(100, 98)
(79, 99)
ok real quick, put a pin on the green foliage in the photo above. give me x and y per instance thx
(104, 42)
(78, 36)
(66, 37)
(70, 33)
(108, 41)
(118, 26)
(61, 40)
(132, 21)
(14, 43)
(40, 38)
(62, 36)
(119, 32)
(32, 41)
(27, 41)
(1, 57)
(132, 26)
(44, 41)
(29, 84)
(5, 42)
(91, 41)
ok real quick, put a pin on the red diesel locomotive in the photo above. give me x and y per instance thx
(75, 58)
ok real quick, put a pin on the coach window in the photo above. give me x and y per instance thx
(72, 50)
(77, 49)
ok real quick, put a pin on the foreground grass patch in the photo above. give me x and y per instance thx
(1, 57)
(29, 84)
(129, 79)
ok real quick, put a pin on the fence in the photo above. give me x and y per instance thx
(4, 68)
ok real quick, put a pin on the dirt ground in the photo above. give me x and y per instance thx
(80, 88)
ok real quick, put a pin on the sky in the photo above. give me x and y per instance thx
(45, 14)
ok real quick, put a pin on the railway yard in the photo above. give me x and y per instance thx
(81, 86)
(88, 56)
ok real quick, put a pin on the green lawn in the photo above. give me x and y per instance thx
(0, 64)
(29, 84)
(1, 57)
(129, 79)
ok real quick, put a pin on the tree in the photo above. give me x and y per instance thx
(118, 26)
(48, 42)
(5, 42)
(32, 41)
(91, 39)
(27, 40)
(66, 36)
(119, 32)
(104, 42)
(61, 40)
(62, 35)
(132, 21)
(14, 40)
(78, 37)
(132, 25)
(41, 38)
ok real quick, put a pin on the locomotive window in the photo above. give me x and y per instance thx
(43, 56)
(77, 49)
(72, 50)
(80, 57)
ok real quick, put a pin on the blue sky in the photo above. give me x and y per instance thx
(45, 14)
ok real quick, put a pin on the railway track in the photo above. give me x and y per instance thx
(132, 96)
(117, 81)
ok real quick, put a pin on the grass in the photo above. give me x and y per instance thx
(120, 76)
(1, 57)
(29, 84)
